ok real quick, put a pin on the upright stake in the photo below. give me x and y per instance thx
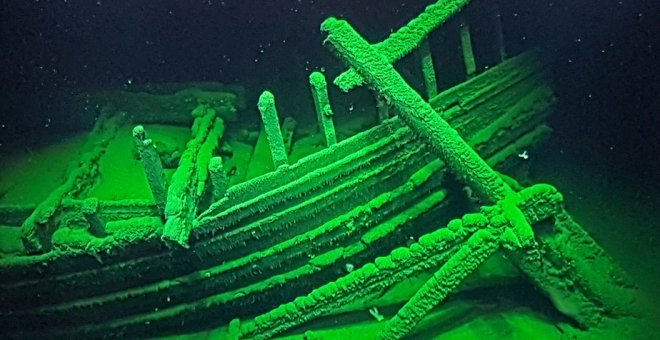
(499, 35)
(466, 46)
(219, 182)
(428, 70)
(323, 108)
(272, 127)
(383, 108)
(152, 167)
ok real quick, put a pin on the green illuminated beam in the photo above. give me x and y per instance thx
(407, 38)
(413, 110)
(477, 249)
(187, 182)
(153, 167)
(38, 228)
(323, 108)
(272, 127)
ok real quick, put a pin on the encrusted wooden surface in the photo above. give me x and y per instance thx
(296, 227)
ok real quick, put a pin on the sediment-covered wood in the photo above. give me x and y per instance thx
(40, 225)
(497, 97)
(368, 238)
(407, 38)
(476, 250)
(577, 275)
(324, 111)
(271, 126)
(431, 251)
(149, 266)
(187, 184)
(152, 165)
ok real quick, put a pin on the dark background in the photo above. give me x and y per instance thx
(607, 78)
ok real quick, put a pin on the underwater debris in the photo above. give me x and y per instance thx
(188, 181)
(349, 267)
(153, 167)
(374, 312)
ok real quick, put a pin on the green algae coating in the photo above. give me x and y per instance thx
(424, 120)
(39, 226)
(472, 243)
(407, 38)
(206, 153)
(414, 111)
(152, 167)
(188, 180)
(323, 109)
(271, 123)
(476, 250)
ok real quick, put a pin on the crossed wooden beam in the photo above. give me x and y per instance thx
(567, 265)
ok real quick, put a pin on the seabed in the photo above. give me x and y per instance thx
(430, 220)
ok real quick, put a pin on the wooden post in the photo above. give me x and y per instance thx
(219, 182)
(466, 47)
(428, 70)
(499, 35)
(152, 167)
(272, 127)
(323, 109)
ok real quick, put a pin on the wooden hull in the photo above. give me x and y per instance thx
(277, 236)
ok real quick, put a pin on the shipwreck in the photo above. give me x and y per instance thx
(422, 191)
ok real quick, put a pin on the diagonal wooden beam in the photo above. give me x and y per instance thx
(596, 290)
(407, 38)
(477, 249)
(188, 181)
(425, 121)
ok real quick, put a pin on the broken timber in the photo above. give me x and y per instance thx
(152, 167)
(38, 228)
(187, 184)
